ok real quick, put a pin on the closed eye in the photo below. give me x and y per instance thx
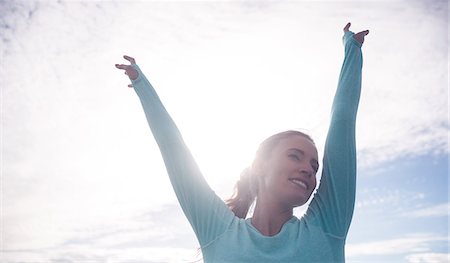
(294, 156)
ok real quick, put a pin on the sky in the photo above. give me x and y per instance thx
(82, 179)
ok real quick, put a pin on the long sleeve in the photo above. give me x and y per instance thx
(206, 212)
(333, 204)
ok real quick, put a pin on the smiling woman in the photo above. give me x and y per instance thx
(281, 177)
(274, 155)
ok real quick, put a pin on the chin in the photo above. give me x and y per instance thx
(296, 200)
(298, 203)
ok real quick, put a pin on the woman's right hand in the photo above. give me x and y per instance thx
(358, 36)
(129, 70)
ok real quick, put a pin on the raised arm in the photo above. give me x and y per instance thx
(333, 204)
(207, 213)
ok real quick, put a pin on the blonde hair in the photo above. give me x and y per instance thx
(246, 188)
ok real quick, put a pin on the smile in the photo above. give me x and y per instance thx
(299, 183)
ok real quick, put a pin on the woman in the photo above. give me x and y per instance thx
(282, 176)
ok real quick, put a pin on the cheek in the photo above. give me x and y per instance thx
(280, 166)
(274, 179)
(277, 172)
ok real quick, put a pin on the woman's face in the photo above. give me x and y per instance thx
(289, 175)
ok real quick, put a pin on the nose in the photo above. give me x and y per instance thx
(307, 170)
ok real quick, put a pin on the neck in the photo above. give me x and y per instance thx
(269, 218)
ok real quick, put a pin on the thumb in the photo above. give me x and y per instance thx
(346, 28)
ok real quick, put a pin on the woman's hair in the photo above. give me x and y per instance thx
(246, 189)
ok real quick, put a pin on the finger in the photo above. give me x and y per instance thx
(346, 28)
(132, 60)
(365, 32)
(130, 86)
(122, 66)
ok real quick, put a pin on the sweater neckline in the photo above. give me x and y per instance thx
(248, 221)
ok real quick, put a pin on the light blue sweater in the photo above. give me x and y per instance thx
(319, 236)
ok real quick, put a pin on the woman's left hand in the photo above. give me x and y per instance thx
(129, 70)
(358, 36)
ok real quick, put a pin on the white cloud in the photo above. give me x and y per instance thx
(397, 246)
(86, 254)
(432, 211)
(142, 236)
(379, 198)
(428, 258)
(77, 150)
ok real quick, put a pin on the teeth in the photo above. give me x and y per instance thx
(299, 183)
